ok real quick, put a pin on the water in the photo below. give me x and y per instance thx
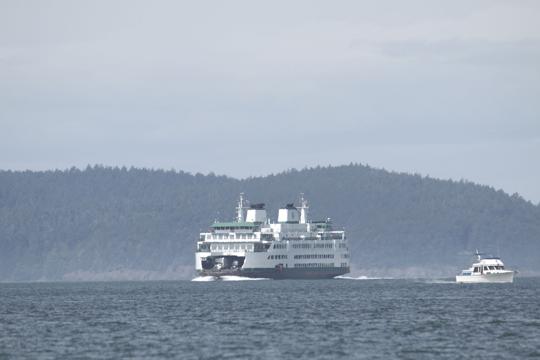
(327, 319)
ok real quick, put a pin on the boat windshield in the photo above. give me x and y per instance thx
(478, 269)
(491, 267)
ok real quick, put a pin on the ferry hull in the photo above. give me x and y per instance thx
(286, 273)
(507, 277)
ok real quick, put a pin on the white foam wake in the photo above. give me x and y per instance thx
(239, 278)
(361, 277)
(225, 278)
(438, 281)
(204, 278)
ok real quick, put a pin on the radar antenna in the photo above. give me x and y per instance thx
(240, 209)
(303, 209)
(478, 255)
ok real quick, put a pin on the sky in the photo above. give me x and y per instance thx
(449, 89)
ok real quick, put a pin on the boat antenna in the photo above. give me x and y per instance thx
(303, 209)
(240, 209)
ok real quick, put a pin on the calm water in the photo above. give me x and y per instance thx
(327, 319)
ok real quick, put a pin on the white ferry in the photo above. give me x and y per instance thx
(486, 270)
(291, 248)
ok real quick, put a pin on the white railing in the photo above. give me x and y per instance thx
(232, 236)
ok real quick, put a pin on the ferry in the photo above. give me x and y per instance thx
(291, 248)
(486, 270)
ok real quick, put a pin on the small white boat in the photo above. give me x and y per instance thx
(486, 270)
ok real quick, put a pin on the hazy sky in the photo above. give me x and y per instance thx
(449, 89)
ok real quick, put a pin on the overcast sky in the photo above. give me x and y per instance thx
(449, 89)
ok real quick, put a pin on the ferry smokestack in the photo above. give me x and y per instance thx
(288, 214)
(256, 213)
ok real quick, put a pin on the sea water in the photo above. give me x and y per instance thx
(325, 319)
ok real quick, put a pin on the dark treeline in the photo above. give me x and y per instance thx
(102, 219)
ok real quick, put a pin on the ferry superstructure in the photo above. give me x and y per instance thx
(291, 248)
(486, 270)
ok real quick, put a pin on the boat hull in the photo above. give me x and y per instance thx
(285, 273)
(506, 277)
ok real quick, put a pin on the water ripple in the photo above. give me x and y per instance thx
(378, 319)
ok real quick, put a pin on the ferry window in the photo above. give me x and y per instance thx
(492, 268)
(476, 269)
(486, 268)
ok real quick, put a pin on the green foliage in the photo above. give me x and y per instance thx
(104, 219)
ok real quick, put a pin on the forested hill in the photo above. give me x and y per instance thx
(135, 223)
